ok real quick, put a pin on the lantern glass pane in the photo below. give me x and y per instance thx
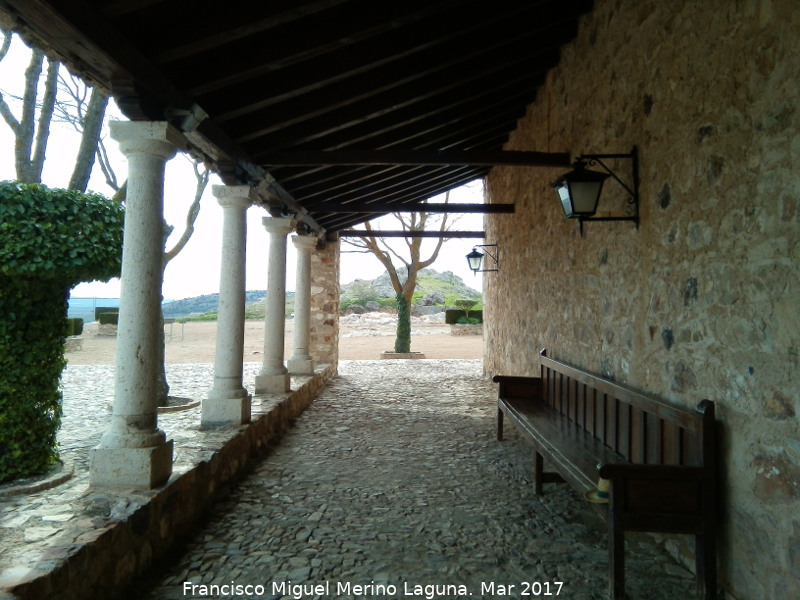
(585, 195)
(563, 195)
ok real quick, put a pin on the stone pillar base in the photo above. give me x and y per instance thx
(130, 467)
(300, 365)
(225, 411)
(402, 355)
(273, 384)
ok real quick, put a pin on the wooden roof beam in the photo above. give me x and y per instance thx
(428, 207)
(410, 234)
(474, 158)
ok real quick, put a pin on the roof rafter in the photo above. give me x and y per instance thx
(515, 158)
(427, 207)
(410, 234)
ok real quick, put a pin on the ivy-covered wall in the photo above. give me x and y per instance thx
(703, 300)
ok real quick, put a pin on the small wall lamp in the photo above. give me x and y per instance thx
(579, 190)
(475, 258)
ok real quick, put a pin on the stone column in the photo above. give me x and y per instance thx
(301, 362)
(325, 295)
(133, 452)
(228, 402)
(274, 377)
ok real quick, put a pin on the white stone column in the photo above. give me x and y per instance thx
(228, 402)
(274, 377)
(133, 451)
(301, 363)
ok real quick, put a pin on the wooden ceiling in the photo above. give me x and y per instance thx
(336, 110)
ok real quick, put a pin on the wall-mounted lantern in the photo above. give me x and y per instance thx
(475, 258)
(579, 190)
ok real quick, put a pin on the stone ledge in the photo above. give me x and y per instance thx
(120, 533)
(466, 329)
(56, 475)
(402, 355)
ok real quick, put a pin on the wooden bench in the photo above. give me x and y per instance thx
(659, 458)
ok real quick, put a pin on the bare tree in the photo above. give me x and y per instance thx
(32, 129)
(201, 174)
(387, 254)
(84, 108)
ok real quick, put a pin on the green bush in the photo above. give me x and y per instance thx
(452, 315)
(31, 360)
(206, 316)
(465, 304)
(98, 310)
(387, 302)
(108, 318)
(468, 321)
(49, 240)
(74, 327)
(56, 234)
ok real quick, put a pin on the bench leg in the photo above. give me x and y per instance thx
(499, 425)
(706, 566)
(538, 474)
(616, 546)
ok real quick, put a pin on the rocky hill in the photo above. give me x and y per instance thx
(202, 304)
(433, 289)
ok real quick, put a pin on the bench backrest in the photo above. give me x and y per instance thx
(643, 429)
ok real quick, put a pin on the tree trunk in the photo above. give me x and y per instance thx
(90, 138)
(23, 143)
(162, 385)
(402, 342)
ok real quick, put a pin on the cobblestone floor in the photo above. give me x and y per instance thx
(393, 480)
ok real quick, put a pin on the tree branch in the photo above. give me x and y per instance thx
(5, 110)
(8, 116)
(6, 45)
(105, 166)
(45, 117)
(201, 178)
(23, 144)
(92, 125)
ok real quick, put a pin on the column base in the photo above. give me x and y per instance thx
(300, 365)
(225, 411)
(130, 467)
(273, 384)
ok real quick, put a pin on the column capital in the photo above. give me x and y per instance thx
(278, 225)
(240, 196)
(304, 242)
(150, 137)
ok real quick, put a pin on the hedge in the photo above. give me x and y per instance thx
(74, 327)
(50, 240)
(452, 315)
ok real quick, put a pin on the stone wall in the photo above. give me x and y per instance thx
(324, 334)
(703, 299)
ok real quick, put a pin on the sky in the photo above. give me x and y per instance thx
(196, 270)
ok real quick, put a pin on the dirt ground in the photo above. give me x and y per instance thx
(194, 342)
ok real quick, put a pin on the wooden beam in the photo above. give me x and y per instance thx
(410, 234)
(509, 158)
(430, 207)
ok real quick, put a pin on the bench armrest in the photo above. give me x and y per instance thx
(513, 386)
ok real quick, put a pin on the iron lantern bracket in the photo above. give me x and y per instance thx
(632, 189)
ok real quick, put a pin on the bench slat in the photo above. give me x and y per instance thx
(686, 419)
(576, 453)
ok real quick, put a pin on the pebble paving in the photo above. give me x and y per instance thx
(393, 480)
